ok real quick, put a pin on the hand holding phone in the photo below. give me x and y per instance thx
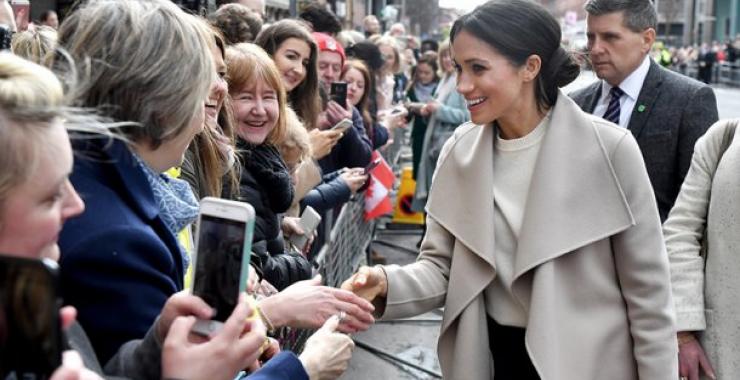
(222, 254)
(371, 166)
(338, 93)
(342, 125)
(310, 219)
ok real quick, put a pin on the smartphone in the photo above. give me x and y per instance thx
(371, 166)
(310, 219)
(30, 329)
(223, 245)
(338, 93)
(342, 125)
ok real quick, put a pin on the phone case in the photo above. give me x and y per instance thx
(246, 246)
(309, 221)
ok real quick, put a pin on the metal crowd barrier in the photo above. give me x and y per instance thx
(341, 255)
(346, 247)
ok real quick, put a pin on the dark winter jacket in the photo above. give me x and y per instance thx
(265, 184)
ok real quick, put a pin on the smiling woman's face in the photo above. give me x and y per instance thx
(292, 59)
(219, 88)
(32, 214)
(256, 109)
(491, 85)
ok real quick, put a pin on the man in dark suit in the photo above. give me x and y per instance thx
(665, 111)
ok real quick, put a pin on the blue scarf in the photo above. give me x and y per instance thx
(177, 204)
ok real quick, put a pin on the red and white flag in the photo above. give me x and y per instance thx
(377, 196)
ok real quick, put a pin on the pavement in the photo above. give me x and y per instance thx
(414, 340)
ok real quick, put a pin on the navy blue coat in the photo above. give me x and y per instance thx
(284, 366)
(331, 193)
(119, 262)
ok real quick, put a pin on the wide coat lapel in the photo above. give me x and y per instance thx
(646, 100)
(463, 205)
(574, 199)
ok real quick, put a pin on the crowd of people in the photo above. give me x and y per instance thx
(705, 58)
(568, 236)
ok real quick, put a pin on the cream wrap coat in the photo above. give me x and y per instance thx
(706, 284)
(591, 268)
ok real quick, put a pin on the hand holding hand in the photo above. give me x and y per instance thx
(368, 283)
(307, 304)
(691, 356)
(327, 353)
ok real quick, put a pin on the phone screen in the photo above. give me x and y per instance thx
(339, 93)
(30, 330)
(218, 267)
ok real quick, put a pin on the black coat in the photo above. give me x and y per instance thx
(265, 184)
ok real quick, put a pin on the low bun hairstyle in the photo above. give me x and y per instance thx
(518, 29)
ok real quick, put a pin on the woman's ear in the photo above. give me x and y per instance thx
(531, 67)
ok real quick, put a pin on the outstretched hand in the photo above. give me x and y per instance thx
(368, 283)
(308, 304)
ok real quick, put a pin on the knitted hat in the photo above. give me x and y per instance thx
(326, 42)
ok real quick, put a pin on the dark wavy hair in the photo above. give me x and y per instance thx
(518, 29)
(305, 97)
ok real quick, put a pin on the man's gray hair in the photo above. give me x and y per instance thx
(638, 14)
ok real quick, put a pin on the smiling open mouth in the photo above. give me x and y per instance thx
(475, 102)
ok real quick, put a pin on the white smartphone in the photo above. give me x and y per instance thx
(342, 126)
(223, 245)
(309, 221)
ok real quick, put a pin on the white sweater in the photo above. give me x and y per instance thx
(513, 165)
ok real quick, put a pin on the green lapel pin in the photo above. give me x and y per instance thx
(641, 108)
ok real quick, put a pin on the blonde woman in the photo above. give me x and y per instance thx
(121, 257)
(34, 44)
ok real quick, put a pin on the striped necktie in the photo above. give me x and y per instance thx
(612, 112)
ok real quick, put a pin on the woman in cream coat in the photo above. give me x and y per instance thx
(702, 239)
(569, 281)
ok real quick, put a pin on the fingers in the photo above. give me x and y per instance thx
(694, 370)
(188, 304)
(237, 321)
(250, 345)
(67, 315)
(71, 359)
(352, 299)
(705, 365)
(179, 331)
(330, 325)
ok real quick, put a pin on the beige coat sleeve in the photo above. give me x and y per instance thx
(422, 286)
(684, 231)
(643, 271)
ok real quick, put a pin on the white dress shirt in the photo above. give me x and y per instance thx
(631, 87)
